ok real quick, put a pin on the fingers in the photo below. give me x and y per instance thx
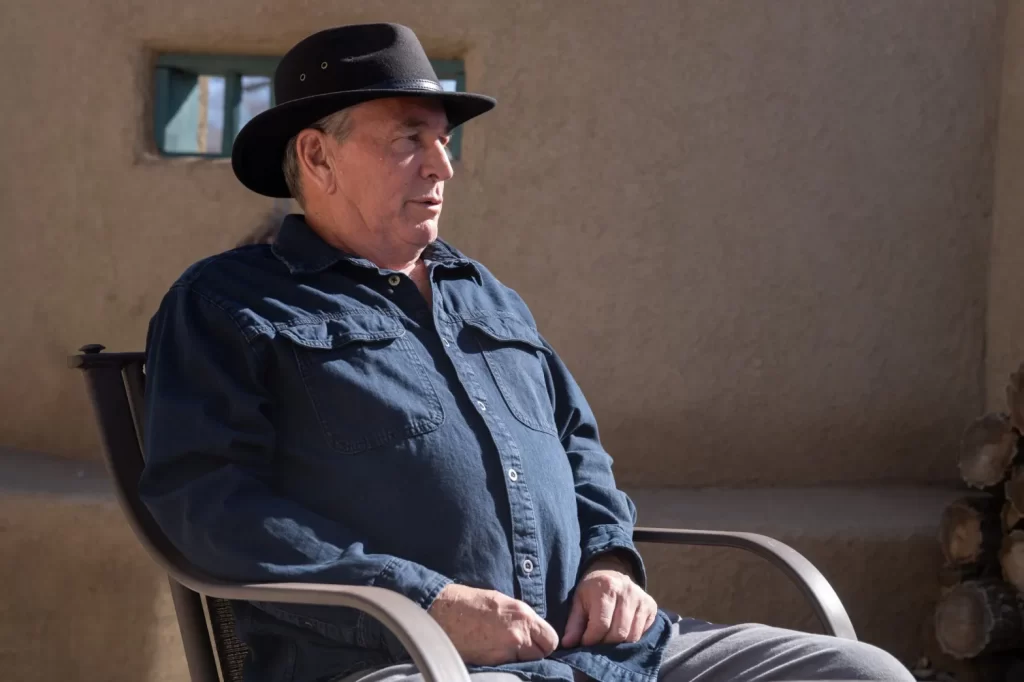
(576, 624)
(622, 621)
(544, 636)
(536, 638)
(529, 652)
(643, 620)
(652, 616)
(600, 614)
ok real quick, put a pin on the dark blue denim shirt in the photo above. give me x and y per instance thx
(311, 418)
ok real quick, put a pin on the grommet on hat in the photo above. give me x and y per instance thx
(374, 61)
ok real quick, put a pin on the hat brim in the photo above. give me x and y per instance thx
(258, 151)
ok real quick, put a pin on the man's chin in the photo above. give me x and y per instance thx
(423, 233)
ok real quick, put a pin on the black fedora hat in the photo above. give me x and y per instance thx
(331, 70)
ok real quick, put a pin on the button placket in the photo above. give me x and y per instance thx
(525, 546)
(525, 542)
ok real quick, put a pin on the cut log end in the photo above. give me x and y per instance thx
(980, 617)
(970, 531)
(988, 446)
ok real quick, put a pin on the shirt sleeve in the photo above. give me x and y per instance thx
(606, 514)
(208, 475)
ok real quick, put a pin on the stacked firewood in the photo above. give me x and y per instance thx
(980, 614)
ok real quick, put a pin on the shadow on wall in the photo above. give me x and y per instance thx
(782, 444)
(266, 230)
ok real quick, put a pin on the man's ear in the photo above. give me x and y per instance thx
(315, 162)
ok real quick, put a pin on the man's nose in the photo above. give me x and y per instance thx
(437, 164)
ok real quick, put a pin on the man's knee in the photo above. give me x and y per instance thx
(861, 661)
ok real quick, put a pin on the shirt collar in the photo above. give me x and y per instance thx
(304, 252)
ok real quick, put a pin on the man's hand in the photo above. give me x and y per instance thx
(609, 607)
(490, 628)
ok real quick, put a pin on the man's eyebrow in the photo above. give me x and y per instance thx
(421, 123)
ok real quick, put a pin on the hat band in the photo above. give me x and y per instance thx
(406, 84)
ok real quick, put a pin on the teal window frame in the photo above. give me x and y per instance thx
(168, 94)
(173, 70)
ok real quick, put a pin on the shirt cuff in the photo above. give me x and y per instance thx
(607, 538)
(416, 582)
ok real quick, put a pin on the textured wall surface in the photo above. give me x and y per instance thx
(1005, 351)
(81, 600)
(758, 232)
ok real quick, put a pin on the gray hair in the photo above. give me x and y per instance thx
(338, 125)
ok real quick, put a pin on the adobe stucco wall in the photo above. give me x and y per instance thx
(758, 232)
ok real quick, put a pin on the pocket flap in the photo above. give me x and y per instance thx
(335, 333)
(507, 328)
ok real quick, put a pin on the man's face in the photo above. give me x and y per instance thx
(391, 169)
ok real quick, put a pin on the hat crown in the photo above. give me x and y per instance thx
(352, 58)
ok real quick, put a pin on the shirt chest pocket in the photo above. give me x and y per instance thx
(366, 380)
(515, 356)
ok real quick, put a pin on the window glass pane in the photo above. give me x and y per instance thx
(182, 113)
(255, 99)
(449, 84)
(211, 134)
(196, 120)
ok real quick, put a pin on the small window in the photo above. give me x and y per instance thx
(202, 101)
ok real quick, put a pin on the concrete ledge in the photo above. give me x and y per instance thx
(29, 473)
(82, 600)
(73, 568)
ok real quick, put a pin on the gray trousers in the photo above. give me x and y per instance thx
(703, 652)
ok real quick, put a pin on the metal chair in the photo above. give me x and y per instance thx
(202, 602)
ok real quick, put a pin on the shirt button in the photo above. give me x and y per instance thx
(513, 475)
(527, 566)
(394, 280)
(480, 404)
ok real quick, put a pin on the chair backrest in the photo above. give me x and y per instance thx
(116, 384)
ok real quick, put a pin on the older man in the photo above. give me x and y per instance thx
(362, 404)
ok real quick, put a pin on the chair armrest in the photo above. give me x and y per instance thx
(797, 568)
(433, 653)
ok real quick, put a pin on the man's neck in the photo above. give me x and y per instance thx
(401, 258)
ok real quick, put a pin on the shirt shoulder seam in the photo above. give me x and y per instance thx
(249, 332)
